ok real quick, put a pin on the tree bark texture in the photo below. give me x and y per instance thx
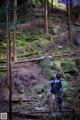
(9, 84)
(46, 17)
(14, 41)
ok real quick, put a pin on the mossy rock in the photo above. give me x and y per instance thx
(47, 73)
(49, 68)
(55, 30)
(48, 37)
(68, 66)
(44, 44)
(20, 89)
(78, 41)
(58, 65)
(38, 89)
(46, 63)
(68, 76)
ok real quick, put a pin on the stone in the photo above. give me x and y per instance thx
(78, 41)
(40, 108)
(48, 73)
(55, 30)
(48, 67)
(68, 76)
(46, 62)
(60, 47)
(44, 43)
(38, 89)
(19, 87)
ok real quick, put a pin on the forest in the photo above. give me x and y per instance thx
(38, 40)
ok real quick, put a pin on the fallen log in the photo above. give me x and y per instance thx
(77, 58)
(17, 100)
(28, 54)
(26, 115)
(37, 115)
(2, 67)
(44, 112)
(67, 54)
(31, 60)
(43, 57)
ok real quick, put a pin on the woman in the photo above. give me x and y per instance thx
(56, 90)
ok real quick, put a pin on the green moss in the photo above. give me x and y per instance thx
(3, 69)
(68, 65)
(33, 44)
(55, 3)
(65, 84)
(2, 60)
(39, 52)
(25, 37)
(47, 37)
(27, 54)
(21, 43)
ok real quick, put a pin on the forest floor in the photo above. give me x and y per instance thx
(33, 101)
(30, 91)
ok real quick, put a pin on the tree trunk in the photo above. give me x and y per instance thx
(9, 84)
(46, 17)
(51, 4)
(69, 24)
(49, 9)
(14, 41)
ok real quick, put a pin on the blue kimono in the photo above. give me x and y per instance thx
(56, 87)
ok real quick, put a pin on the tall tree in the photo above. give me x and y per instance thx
(51, 4)
(46, 17)
(14, 41)
(69, 23)
(9, 82)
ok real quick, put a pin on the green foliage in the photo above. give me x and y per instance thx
(2, 35)
(57, 51)
(20, 43)
(55, 3)
(27, 54)
(68, 65)
(48, 37)
(3, 46)
(3, 69)
(3, 60)
(65, 84)
(39, 52)
(25, 37)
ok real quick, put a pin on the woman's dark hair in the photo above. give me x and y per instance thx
(52, 78)
(58, 76)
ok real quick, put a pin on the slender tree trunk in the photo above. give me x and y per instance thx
(48, 8)
(46, 17)
(14, 41)
(8, 45)
(9, 59)
(69, 23)
(51, 4)
(71, 6)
